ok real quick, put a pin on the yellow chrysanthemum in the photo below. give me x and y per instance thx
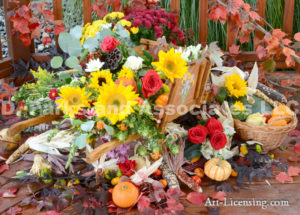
(126, 72)
(99, 78)
(235, 85)
(115, 102)
(171, 64)
(90, 30)
(114, 16)
(72, 100)
(125, 23)
(238, 106)
(134, 30)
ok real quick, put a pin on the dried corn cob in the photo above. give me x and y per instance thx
(169, 176)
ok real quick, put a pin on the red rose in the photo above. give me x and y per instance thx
(213, 125)
(197, 134)
(109, 43)
(127, 167)
(218, 140)
(151, 83)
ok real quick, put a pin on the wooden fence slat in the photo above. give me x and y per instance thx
(87, 11)
(57, 9)
(288, 18)
(5, 67)
(203, 21)
(230, 40)
(175, 6)
(261, 6)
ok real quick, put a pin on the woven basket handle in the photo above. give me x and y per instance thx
(280, 118)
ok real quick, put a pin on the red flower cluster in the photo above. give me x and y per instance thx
(127, 167)
(159, 22)
(214, 128)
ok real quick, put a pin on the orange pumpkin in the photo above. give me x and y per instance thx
(282, 111)
(125, 194)
(276, 123)
(162, 100)
(127, 82)
(217, 169)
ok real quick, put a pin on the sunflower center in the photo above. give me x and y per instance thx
(116, 103)
(74, 99)
(101, 81)
(170, 65)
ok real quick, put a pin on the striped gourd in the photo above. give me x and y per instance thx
(218, 170)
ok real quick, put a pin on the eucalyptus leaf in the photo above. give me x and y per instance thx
(80, 141)
(104, 33)
(110, 130)
(56, 62)
(91, 44)
(76, 32)
(63, 41)
(72, 62)
(87, 126)
(74, 47)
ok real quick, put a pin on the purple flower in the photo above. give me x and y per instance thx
(120, 152)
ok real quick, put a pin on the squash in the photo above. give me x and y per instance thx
(127, 82)
(217, 169)
(125, 194)
(162, 100)
(277, 123)
(282, 111)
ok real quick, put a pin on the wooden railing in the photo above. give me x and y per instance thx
(17, 50)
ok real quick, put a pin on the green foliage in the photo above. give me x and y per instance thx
(56, 62)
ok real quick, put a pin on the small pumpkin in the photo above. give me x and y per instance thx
(275, 122)
(217, 169)
(282, 111)
(125, 194)
(162, 100)
(127, 82)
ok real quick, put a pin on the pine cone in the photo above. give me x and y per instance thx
(113, 58)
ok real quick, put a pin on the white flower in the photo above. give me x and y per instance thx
(209, 152)
(94, 65)
(190, 53)
(134, 63)
(228, 129)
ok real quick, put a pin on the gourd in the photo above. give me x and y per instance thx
(162, 100)
(125, 194)
(217, 169)
(282, 111)
(275, 122)
(127, 82)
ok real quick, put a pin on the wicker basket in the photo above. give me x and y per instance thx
(270, 137)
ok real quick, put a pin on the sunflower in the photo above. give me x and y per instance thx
(126, 72)
(72, 100)
(171, 64)
(99, 78)
(115, 102)
(235, 85)
(238, 106)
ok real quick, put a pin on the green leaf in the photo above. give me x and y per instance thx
(269, 65)
(104, 33)
(75, 47)
(192, 151)
(91, 44)
(109, 129)
(72, 62)
(87, 126)
(76, 31)
(56, 62)
(222, 95)
(64, 75)
(283, 148)
(80, 141)
(63, 39)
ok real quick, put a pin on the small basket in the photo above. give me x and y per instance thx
(270, 137)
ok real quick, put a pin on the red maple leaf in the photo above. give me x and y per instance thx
(10, 192)
(36, 33)
(260, 51)
(283, 177)
(144, 202)
(48, 14)
(46, 40)
(234, 6)
(174, 205)
(20, 24)
(297, 36)
(14, 210)
(254, 15)
(58, 29)
(293, 171)
(297, 148)
(25, 39)
(3, 168)
(218, 13)
(286, 42)
(234, 49)
(196, 198)
(219, 195)
(51, 213)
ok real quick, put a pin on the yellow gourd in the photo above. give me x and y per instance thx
(217, 169)
(282, 111)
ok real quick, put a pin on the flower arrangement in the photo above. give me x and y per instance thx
(153, 24)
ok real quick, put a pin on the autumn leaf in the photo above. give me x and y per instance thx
(51, 213)
(293, 171)
(196, 198)
(144, 202)
(286, 42)
(297, 148)
(269, 65)
(48, 14)
(25, 39)
(175, 193)
(297, 36)
(283, 177)
(10, 192)
(234, 6)
(234, 49)
(46, 40)
(59, 29)
(254, 15)
(36, 33)
(219, 195)
(218, 13)
(20, 24)
(174, 205)
(260, 51)
(3, 168)
(14, 210)
(293, 158)
(294, 133)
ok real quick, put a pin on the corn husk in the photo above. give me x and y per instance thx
(39, 164)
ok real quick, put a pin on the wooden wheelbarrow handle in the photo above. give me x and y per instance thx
(93, 156)
(21, 126)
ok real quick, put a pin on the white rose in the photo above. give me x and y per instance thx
(134, 63)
